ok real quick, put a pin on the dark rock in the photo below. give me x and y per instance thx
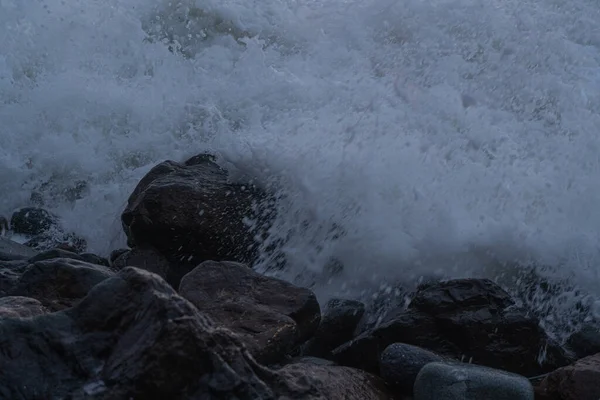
(61, 253)
(466, 319)
(59, 283)
(338, 383)
(271, 316)
(33, 221)
(10, 272)
(401, 363)
(114, 255)
(94, 259)
(580, 381)
(133, 337)
(382, 305)
(193, 213)
(311, 360)
(458, 381)
(337, 326)
(585, 342)
(450, 296)
(145, 258)
(409, 327)
(55, 253)
(10, 250)
(20, 307)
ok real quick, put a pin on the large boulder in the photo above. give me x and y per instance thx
(132, 336)
(580, 381)
(270, 315)
(60, 282)
(465, 319)
(192, 212)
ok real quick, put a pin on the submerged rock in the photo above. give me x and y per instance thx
(192, 212)
(57, 240)
(271, 316)
(464, 319)
(53, 191)
(456, 381)
(132, 336)
(33, 221)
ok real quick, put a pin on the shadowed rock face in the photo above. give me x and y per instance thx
(192, 213)
(471, 319)
(578, 381)
(338, 323)
(59, 283)
(271, 316)
(132, 336)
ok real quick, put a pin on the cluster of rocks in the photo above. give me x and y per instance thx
(182, 315)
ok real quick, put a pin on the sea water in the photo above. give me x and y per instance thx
(406, 138)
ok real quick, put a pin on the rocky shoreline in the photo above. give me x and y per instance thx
(182, 315)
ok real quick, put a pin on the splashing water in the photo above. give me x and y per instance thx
(446, 137)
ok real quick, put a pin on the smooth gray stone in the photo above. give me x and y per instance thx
(457, 381)
(10, 251)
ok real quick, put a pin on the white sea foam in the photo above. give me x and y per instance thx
(442, 136)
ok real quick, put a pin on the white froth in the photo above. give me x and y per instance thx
(440, 135)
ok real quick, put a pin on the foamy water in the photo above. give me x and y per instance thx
(442, 136)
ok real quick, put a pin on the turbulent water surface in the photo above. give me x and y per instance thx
(443, 137)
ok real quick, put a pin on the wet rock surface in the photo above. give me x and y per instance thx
(192, 212)
(270, 315)
(338, 322)
(74, 325)
(33, 221)
(134, 337)
(457, 381)
(145, 258)
(401, 363)
(468, 319)
(580, 381)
